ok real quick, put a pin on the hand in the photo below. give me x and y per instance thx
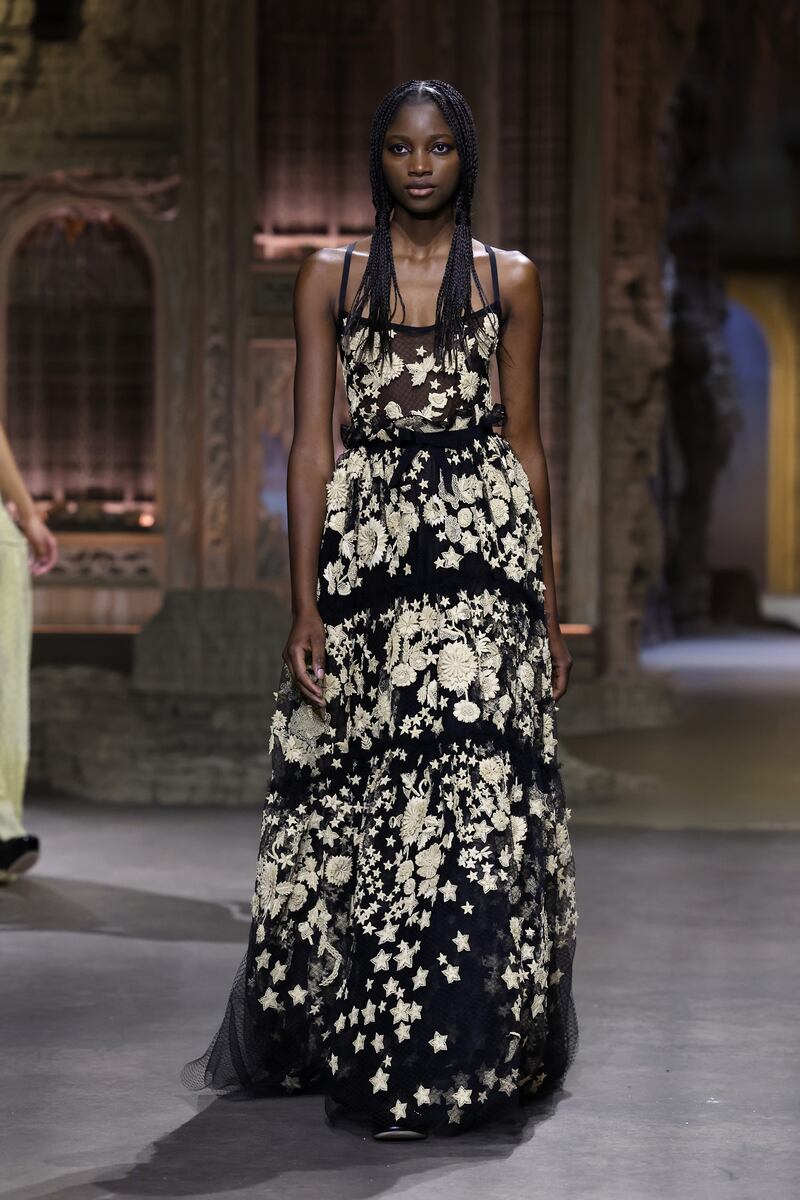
(561, 661)
(307, 637)
(43, 546)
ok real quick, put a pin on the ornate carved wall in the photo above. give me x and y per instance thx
(91, 131)
(649, 49)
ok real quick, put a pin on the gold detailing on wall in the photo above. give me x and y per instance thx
(773, 299)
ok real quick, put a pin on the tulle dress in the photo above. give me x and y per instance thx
(414, 912)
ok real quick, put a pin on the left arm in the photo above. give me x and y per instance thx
(518, 368)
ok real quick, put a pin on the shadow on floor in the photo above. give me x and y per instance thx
(239, 1146)
(81, 906)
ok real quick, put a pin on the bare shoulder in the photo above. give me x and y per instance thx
(320, 273)
(518, 275)
(318, 270)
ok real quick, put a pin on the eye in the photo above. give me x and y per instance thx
(396, 146)
(447, 146)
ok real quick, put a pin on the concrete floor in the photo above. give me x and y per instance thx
(731, 760)
(118, 951)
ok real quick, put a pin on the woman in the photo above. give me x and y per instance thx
(29, 547)
(414, 916)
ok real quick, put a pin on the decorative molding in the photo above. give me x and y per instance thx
(155, 198)
(108, 561)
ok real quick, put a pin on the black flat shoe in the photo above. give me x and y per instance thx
(398, 1132)
(17, 855)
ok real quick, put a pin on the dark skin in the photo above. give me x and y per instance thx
(418, 147)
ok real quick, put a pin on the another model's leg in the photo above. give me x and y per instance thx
(18, 851)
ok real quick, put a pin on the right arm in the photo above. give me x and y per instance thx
(310, 464)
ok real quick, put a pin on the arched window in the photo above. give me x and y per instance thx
(80, 412)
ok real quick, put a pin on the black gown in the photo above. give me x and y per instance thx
(414, 908)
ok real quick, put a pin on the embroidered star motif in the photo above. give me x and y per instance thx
(420, 978)
(404, 955)
(463, 1096)
(438, 1041)
(298, 994)
(510, 977)
(462, 941)
(451, 973)
(381, 961)
(399, 1110)
(422, 1095)
(379, 1081)
(269, 1000)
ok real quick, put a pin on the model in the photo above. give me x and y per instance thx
(414, 908)
(26, 548)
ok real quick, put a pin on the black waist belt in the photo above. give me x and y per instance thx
(447, 438)
(411, 439)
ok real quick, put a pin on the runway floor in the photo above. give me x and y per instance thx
(119, 948)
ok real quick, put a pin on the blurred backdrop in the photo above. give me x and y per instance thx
(165, 167)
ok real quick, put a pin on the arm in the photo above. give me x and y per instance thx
(310, 463)
(44, 550)
(518, 368)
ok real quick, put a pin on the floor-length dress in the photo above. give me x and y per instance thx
(414, 909)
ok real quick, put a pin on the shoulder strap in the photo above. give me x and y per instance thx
(495, 283)
(345, 272)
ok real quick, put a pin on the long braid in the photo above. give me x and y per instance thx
(454, 319)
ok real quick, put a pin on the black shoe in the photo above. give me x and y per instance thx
(398, 1132)
(17, 855)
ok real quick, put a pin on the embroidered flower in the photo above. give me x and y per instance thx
(338, 869)
(456, 666)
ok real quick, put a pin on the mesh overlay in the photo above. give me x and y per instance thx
(414, 909)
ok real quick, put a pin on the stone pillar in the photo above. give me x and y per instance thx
(219, 110)
(652, 42)
(591, 101)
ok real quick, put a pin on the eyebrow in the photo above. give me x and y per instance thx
(435, 137)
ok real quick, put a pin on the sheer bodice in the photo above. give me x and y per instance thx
(410, 389)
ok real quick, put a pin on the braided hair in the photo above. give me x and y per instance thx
(454, 302)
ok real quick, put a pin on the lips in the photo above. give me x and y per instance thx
(420, 187)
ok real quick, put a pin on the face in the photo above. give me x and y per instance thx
(419, 151)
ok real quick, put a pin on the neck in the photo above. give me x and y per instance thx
(421, 238)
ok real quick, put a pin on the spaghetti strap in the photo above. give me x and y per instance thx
(345, 273)
(495, 283)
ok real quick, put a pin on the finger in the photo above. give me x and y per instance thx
(301, 676)
(317, 656)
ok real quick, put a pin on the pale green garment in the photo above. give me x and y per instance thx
(15, 648)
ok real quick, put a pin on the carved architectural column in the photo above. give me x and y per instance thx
(652, 42)
(591, 97)
(219, 110)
